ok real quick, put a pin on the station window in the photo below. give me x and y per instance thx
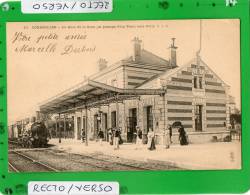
(200, 83)
(195, 82)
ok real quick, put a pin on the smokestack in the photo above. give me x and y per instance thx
(38, 116)
(137, 48)
(102, 64)
(173, 59)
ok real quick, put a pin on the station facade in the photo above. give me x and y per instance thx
(148, 91)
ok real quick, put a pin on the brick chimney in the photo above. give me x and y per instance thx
(102, 64)
(137, 48)
(173, 58)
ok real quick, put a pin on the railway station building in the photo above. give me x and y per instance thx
(148, 91)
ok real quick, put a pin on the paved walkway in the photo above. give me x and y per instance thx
(195, 156)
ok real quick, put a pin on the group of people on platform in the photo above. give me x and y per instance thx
(114, 137)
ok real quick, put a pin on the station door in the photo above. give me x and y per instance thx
(132, 123)
(198, 118)
(149, 118)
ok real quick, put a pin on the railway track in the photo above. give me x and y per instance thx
(19, 162)
(114, 165)
(86, 162)
(110, 163)
(12, 168)
(39, 161)
(104, 164)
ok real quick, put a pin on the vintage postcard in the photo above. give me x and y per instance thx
(124, 95)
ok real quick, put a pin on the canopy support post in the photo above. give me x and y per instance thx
(60, 133)
(64, 126)
(86, 126)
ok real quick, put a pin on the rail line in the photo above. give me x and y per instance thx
(22, 161)
(35, 162)
(123, 164)
(92, 165)
(97, 163)
(13, 168)
(112, 163)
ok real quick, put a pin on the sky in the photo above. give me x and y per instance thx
(35, 75)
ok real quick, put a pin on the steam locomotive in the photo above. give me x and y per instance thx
(36, 136)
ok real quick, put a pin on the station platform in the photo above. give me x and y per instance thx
(205, 156)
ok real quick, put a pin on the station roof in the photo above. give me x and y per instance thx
(89, 94)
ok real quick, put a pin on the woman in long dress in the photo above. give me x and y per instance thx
(120, 137)
(116, 138)
(182, 136)
(138, 137)
(167, 138)
(151, 139)
(110, 136)
(83, 135)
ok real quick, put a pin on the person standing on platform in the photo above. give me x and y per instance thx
(100, 136)
(138, 137)
(170, 133)
(182, 136)
(167, 138)
(83, 136)
(151, 139)
(110, 136)
(134, 137)
(120, 136)
(116, 138)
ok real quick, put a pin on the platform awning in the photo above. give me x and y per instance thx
(91, 93)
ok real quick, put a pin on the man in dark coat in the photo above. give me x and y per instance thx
(170, 133)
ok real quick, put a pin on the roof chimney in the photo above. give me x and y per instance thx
(173, 60)
(102, 64)
(137, 48)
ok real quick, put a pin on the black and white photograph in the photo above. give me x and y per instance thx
(88, 96)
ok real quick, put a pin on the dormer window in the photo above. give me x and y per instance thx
(198, 82)
(195, 82)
